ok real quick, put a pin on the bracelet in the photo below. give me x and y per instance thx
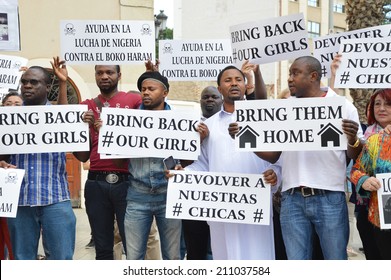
(249, 86)
(356, 144)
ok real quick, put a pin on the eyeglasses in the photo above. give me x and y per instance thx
(32, 82)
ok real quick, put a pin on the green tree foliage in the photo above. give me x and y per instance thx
(166, 34)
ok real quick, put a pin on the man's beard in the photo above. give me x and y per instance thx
(235, 97)
(107, 90)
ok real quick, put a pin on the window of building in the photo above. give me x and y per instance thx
(339, 8)
(339, 29)
(73, 93)
(313, 3)
(313, 29)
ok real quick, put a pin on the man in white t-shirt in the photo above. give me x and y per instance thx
(313, 197)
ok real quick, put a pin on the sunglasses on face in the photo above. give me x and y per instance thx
(32, 82)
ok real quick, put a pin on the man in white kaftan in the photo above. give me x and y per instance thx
(234, 241)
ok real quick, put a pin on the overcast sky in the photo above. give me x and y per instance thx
(168, 7)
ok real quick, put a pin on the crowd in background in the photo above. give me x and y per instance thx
(309, 215)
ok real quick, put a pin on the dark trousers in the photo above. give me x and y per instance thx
(383, 241)
(105, 201)
(317, 253)
(279, 246)
(366, 232)
(197, 238)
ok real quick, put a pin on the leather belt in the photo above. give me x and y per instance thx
(306, 191)
(109, 177)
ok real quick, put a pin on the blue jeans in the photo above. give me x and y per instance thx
(138, 220)
(57, 222)
(103, 202)
(326, 213)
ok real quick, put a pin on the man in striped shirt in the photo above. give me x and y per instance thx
(44, 201)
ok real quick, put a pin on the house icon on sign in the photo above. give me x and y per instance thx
(329, 133)
(247, 135)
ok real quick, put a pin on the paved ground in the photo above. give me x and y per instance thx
(354, 241)
(83, 237)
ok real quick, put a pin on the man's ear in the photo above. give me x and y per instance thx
(314, 75)
(119, 75)
(219, 89)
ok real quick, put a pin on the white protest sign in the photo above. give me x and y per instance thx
(326, 47)
(115, 156)
(384, 199)
(194, 60)
(149, 133)
(43, 129)
(3, 93)
(10, 70)
(107, 41)
(111, 156)
(9, 25)
(219, 197)
(365, 63)
(293, 124)
(270, 40)
(10, 182)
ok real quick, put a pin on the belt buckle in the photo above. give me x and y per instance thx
(306, 194)
(112, 178)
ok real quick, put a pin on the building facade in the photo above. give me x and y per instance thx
(193, 19)
(212, 19)
(39, 22)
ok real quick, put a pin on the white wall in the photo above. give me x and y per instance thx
(211, 19)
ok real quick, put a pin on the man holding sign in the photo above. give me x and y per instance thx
(44, 201)
(234, 241)
(147, 192)
(313, 196)
(107, 183)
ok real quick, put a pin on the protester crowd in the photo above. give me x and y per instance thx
(132, 192)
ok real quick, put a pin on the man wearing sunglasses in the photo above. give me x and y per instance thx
(44, 200)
